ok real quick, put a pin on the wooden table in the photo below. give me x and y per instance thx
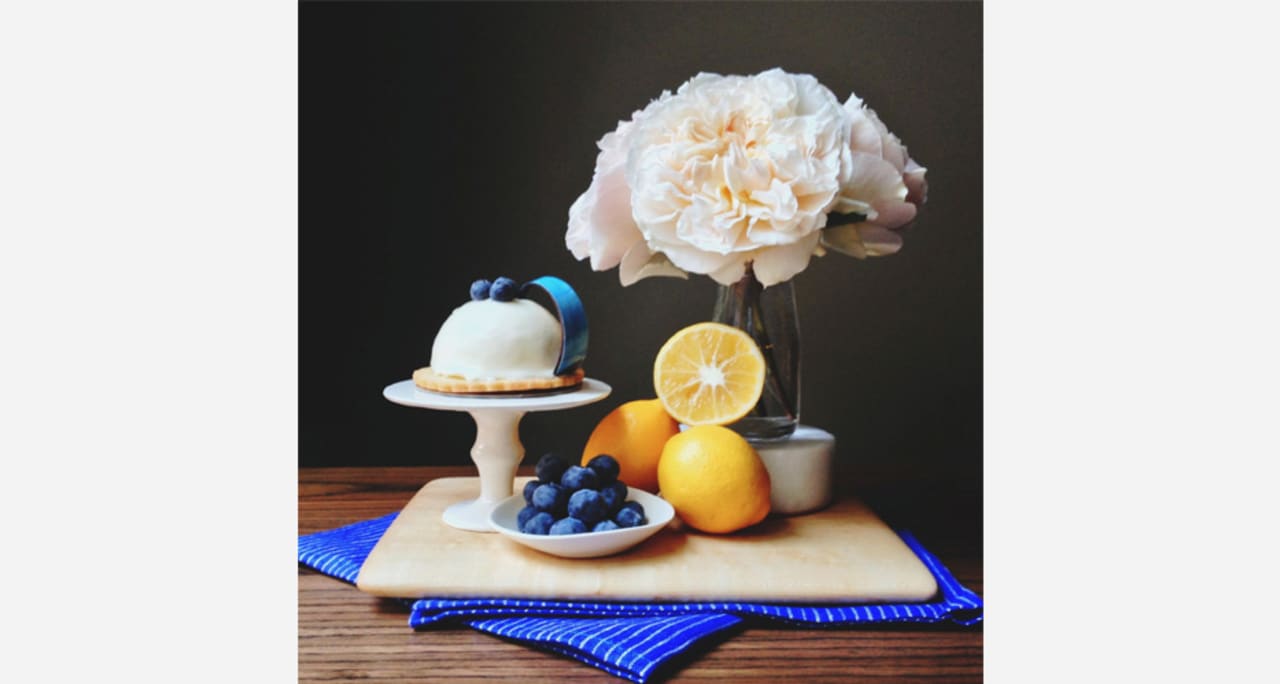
(344, 634)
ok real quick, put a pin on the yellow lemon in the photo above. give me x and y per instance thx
(634, 434)
(714, 479)
(709, 374)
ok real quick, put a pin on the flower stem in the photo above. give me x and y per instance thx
(748, 315)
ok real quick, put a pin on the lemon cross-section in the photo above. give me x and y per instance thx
(709, 374)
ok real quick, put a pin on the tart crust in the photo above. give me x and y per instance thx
(451, 384)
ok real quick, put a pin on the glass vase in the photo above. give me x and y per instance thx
(768, 315)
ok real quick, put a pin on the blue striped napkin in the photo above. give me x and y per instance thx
(629, 640)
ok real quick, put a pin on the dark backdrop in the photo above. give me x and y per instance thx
(445, 142)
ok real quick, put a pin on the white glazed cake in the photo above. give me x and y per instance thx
(500, 342)
(492, 340)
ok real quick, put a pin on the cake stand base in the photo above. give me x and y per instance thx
(470, 515)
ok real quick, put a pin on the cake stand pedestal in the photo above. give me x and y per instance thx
(497, 451)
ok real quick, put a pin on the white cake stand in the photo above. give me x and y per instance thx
(497, 451)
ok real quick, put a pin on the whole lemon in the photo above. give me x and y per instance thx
(634, 434)
(714, 479)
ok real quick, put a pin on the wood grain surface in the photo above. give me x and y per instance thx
(347, 635)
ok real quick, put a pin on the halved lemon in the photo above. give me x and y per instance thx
(709, 374)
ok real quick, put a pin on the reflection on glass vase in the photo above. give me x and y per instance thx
(768, 315)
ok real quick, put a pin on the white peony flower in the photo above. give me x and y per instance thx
(885, 187)
(732, 170)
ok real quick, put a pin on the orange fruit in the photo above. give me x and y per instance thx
(714, 479)
(709, 374)
(634, 434)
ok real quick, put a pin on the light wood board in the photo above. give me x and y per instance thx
(841, 554)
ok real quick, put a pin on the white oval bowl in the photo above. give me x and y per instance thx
(588, 544)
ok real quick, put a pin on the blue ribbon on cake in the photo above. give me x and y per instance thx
(573, 321)
(629, 640)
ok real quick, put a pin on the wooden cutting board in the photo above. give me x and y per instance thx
(841, 554)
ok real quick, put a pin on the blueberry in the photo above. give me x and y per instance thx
(614, 495)
(528, 490)
(525, 513)
(605, 526)
(606, 468)
(633, 505)
(550, 467)
(629, 517)
(540, 523)
(587, 506)
(568, 526)
(480, 289)
(550, 497)
(504, 290)
(577, 477)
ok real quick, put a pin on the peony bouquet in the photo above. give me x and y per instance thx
(735, 171)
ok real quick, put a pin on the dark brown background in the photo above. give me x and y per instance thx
(445, 142)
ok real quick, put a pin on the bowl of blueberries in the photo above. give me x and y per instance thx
(580, 511)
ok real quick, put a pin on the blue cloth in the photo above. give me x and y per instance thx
(629, 640)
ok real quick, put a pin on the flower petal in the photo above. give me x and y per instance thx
(612, 229)
(846, 205)
(917, 186)
(861, 240)
(872, 179)
(892, 214)
(600, 224)
(578, 237)
(640, 263)
(879, 241)
(845, 240)
(689, 258)
(778, 264)
(731, 273)
(863, 135)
